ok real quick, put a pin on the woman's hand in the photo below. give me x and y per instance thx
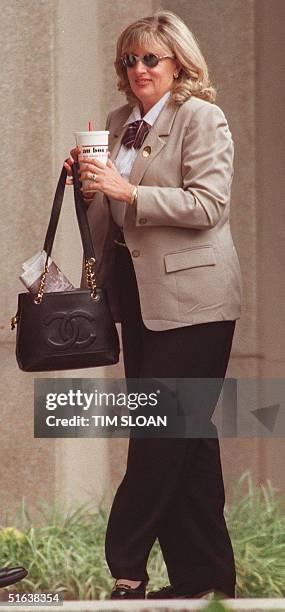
(73, 157)
(104, 178)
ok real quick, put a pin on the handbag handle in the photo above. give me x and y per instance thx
(83, 227)
(81, 213)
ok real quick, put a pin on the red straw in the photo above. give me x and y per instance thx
(90, 126)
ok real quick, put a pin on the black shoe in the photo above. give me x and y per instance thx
(182, 592)
(10, 575)
(124, 591)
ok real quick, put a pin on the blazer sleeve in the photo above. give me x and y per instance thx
(207, 172)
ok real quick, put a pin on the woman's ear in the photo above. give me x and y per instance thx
(177, 64)
(178, 69)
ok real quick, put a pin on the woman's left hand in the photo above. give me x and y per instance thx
(105, 178)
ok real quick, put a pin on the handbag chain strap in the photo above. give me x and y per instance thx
(40, 293)
(89, 261)
(90, 276)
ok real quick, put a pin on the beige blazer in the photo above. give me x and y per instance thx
(178, 235)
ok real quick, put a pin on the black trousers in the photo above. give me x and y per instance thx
(173, 487)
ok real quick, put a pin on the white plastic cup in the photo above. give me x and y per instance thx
(93, 145)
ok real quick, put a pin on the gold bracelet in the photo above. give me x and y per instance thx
(134, 196)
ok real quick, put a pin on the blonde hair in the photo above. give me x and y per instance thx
(165, 28)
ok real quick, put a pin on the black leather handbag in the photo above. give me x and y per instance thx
(68, 329)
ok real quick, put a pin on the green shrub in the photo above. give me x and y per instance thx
(256, 522)
(65, 554)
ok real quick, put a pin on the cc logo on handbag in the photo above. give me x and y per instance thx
(70, 329)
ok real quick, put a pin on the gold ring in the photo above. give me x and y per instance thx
(94, 176)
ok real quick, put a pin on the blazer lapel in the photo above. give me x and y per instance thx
(155, 141)
(116, 135)
(115, 142)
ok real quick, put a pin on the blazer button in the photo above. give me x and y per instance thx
(135, 253)
(142, 221)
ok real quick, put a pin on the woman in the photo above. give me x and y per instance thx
(159, 213)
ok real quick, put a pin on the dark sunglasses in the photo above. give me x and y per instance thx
(150, 60)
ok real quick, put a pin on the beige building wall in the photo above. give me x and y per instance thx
(57, 73)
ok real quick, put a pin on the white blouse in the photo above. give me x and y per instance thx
(126, 157)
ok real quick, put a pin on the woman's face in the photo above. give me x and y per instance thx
(150, 84)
